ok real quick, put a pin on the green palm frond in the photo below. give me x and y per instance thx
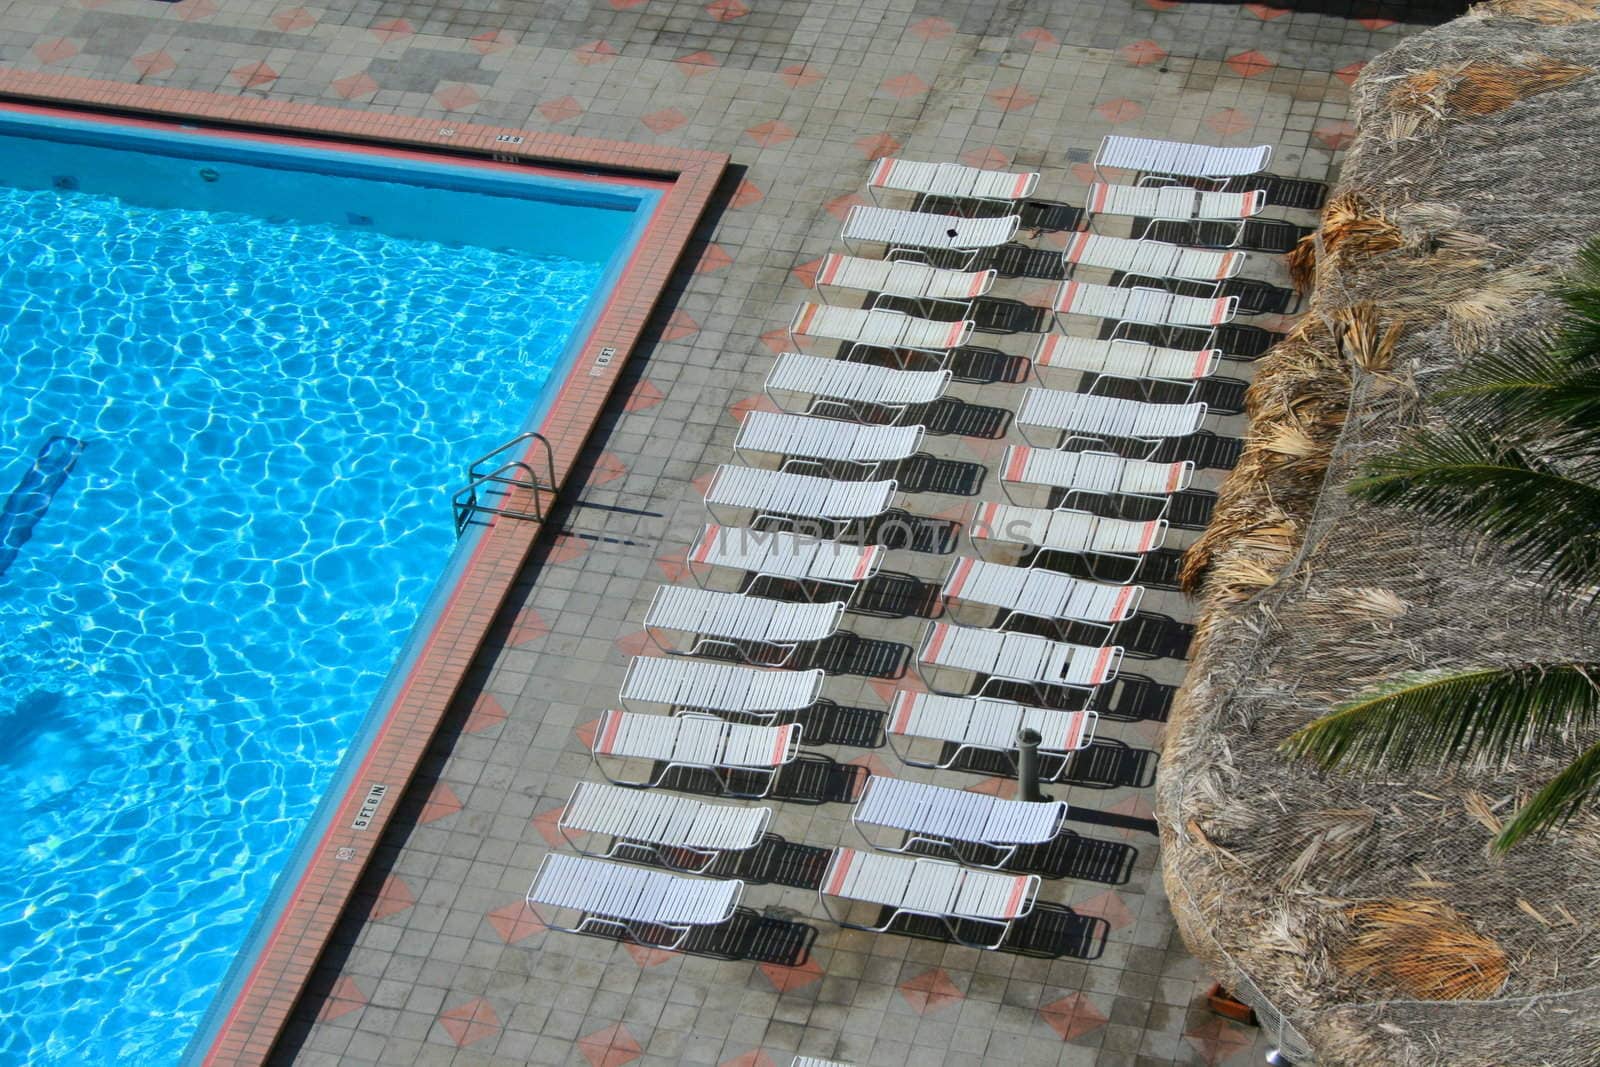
(1567, 793)
(1547, 518)
(1528, 385)
(1443, 717)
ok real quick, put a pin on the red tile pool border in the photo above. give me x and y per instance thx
(307, 920)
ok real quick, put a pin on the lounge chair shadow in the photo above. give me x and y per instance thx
(963, 419)
(890, 595)
(776, 861)
(811, 779)
(923, 473)
(1050, 931)
(1134, 698)
(987, 366)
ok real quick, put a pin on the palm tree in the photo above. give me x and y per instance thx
(1520, 466)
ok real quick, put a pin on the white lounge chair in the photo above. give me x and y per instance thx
(653, 908)
(953, 725)
(700, 742)
(856, 387)
(1088, 417)
(1079, 533)
(936, 888)
(812, 1061)
(950, 179)
(982, 830)
(1122, 358)
(680, 832)
(1099, 473)
(904, 278)
(1172, 203)
(1142, 306)
(1029, 659)
(875, 328)
(781, 495)
(1040, 594)
(684, 684)
(1153, 259)
(780, 554)
(804, 440)
(1180, 159)
(917, 230)
(735, 620)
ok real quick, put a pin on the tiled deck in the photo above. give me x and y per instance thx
(446, 965)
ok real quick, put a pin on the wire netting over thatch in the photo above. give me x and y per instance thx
(1366, 913)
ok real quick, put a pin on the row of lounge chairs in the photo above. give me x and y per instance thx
(841, 424)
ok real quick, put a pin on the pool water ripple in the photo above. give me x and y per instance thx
(273, 416)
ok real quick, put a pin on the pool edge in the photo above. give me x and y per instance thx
(339, 857)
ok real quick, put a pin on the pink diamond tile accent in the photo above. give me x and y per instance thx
(1072, 1016)
(696, 63)
(607, 468)
(776, 340)
(678, 327)
(593, 52)
(291, 19)
(515, 922)
(442, 802)
(748, 193)
(527, 626)
(635, 643)
(1266, 12)
(394, 896)
(872, 764)
(931, 29)
(1162, 5)
(753, 1058)
(356, 85)
(701, 483)
(1350, 72)
(904, 85)
(645, 956)
(886, 687)
(1004, 788)
(1135, 807)
(565, 548)
(471, 1022)
(1119, 110)
(877, 145)
(624, 5)
(1040, 38)
(154, 64)
(1335, 135)
(611, 1047)
(930, 991)
(644, 395)
(1107, 906)
(586, 732)
(1013, 99)
(1143, 53)
(806, 273)
(798, 75)
(391, 30)
(664, 121)
(727, 10)
(250, 75)
(760, 402)
(487, 713)
(714, 258)
(1084, 172)
(195, 10)
(560, 110)
(1218, 1039)
(547, 823)
(770, 133)
(672, 564)
(344, 998)
(986, 158)
(456, 97)
(1228, 121)
(486, 44)
(1249, 64)
(1376, 24)
(839, 207)
(784, 979)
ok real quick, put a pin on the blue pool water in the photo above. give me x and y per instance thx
(269, 415)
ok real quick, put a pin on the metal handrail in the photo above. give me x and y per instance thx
(512, 474)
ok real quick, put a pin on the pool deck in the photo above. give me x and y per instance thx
(440, 962)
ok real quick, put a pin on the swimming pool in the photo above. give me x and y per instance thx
(237, 380)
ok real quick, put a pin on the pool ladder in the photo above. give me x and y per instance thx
(489, 487)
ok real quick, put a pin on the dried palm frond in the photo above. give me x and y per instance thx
(1474, 316)
(1423, 92)
(1486, 88)
(1356, 329)
(1353, 228)
(1303, 264)
(1422, 949)
(1549, 12)
(1288, 439)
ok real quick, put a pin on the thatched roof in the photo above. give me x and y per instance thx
(1368, 912)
